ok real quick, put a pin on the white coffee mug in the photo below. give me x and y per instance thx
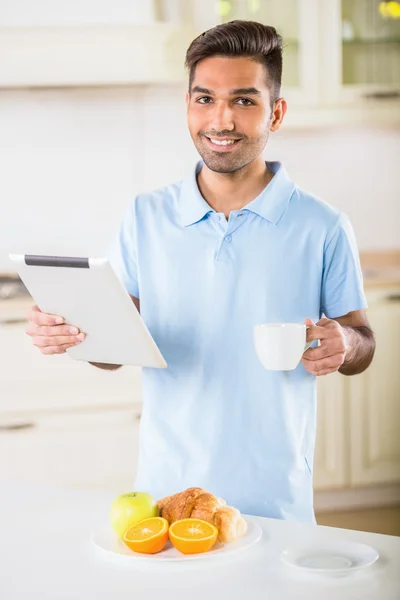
(280, 346)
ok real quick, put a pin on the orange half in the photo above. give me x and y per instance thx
(148, 536)
(192, 536)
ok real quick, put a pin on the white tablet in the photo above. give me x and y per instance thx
(89, 295)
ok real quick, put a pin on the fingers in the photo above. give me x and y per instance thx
(326, 372)
(324, 321)
(56, 349)
(324, 329)
(325, 365)
(331, 354)
(35, 315)
(50, 337)
(41, 341)
(335, 346)
(33, 330)
(316, 332)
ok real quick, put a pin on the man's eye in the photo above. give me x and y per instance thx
(244, 102)
(204, 100)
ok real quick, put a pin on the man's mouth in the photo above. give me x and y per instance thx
(221, 144)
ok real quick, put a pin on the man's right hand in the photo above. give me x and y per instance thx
(49, 332)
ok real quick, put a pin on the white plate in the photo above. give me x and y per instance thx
(106, 540)
(335, 558)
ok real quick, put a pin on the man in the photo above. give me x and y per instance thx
(235, 244)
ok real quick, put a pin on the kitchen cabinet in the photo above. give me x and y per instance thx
(295, 20)
(360, 50)
(64, 421)
(92, 55)
(93, 449)
(358, 441)
(341, 58)
(330, 462)
(375, 399)
(43, 13)
(31, 381)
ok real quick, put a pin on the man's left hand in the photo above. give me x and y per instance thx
(331, 354)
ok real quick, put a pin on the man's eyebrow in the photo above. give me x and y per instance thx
(200, 90)
(250, 91)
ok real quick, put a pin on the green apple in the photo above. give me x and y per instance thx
(128, 509)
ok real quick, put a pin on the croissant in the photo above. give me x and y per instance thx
(196, 503)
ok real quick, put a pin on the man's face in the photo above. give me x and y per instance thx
(229, 112)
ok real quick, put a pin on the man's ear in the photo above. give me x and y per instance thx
(278, 113)
(187, 99)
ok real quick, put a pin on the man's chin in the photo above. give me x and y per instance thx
(222, 165)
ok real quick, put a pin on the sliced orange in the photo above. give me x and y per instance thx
(192, 536)
(148, 536)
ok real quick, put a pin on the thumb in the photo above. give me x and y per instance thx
(309, 322)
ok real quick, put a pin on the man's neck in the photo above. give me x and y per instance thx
(225, 192)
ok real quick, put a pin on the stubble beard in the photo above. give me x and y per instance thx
(231, 162)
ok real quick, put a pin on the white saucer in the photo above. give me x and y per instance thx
(106, 540)
(334, 558)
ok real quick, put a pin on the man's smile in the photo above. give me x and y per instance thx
(221, 144)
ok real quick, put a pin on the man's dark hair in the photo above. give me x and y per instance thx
(238, 39)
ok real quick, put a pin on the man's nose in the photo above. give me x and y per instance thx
(222, 118)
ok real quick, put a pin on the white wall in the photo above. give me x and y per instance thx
(71, 160)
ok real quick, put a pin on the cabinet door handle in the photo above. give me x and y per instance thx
(138, 416)
(16, 426)
(393, 298)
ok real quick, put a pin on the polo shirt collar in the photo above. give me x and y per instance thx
(270, 204)
(192, 207)
(273, 200)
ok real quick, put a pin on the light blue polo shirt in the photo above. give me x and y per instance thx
(215, 418)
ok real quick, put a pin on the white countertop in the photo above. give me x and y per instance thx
(46, 554)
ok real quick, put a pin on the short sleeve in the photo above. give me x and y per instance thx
(342, 281)
(122, 252)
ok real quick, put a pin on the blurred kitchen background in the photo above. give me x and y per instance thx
(91, 113)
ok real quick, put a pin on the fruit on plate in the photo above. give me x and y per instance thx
(192, 536)
(197, 503)
(129, 509)
(148, 536)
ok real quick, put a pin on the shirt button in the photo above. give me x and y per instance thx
(228, 239)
